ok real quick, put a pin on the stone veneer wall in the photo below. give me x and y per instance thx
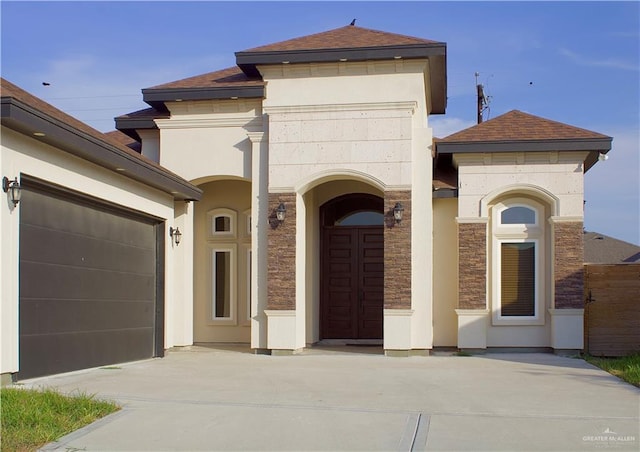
(281, 258)
(568, 264)
(397, 252)
(472, 265)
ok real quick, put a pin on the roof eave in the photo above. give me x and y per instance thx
(156, 97)
(130, 126)
(26, 120)
(470, 147)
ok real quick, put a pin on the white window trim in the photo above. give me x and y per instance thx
(248, 254)
(211, 223)
(518, 233)
(233, 298)
(247, 219)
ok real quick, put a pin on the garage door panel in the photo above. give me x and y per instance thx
(61, 215)
(65, 316)
(87, 284)
(50, 246)
(63, 281)
(54, 352)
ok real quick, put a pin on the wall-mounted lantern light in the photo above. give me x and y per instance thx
(175, 234)
(281, 212)
(13, 188)
(398, 211)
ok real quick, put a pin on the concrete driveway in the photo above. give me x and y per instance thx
(201, 398)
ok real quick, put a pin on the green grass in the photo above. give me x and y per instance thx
(32, 418)
(626, 367)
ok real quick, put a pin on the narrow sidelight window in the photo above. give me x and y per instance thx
(222, 284)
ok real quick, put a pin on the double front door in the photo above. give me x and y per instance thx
(352, 282)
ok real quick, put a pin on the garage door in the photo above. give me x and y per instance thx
(89, 289)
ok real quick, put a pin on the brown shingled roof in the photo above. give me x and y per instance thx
(8, 89)
(340, 38)
(518, 126)
(27, 114)
(225, 78)
(124, 139)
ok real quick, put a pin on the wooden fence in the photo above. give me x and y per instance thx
(612, 312)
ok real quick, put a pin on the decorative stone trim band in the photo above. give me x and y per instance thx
(554, 220)
(372, 106)
(470, 220)
(251, 122)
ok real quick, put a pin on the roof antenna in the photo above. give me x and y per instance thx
(353, 22)
(483, 100)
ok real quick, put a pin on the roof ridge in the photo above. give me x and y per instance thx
(273, 46)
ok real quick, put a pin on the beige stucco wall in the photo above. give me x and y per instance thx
(445, 272)
(205, 138)
(24, 155)
(236, 196)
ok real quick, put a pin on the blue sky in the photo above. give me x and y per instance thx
(573, 62)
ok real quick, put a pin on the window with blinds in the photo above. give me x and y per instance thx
(518, 260)
(517, 279)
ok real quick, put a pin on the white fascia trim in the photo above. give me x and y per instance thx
(461, 220)
(280, 312)
(570, 311)
(408, 106)
(573, 219)
(281, 190)
(398, 312)
(472, 312)
(251, 122)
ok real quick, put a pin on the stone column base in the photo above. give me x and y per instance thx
(472, 328)
(567, 330)
(281, 331)
(397, 330)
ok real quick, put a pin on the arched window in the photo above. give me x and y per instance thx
(518, 254)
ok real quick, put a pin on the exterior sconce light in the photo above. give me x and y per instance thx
(398, 211)
(602, 157)
(175, 234)
(281, 212)
(13, 188)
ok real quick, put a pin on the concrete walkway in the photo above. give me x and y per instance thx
(201, 398)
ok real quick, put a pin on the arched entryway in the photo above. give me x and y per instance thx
(352, 267)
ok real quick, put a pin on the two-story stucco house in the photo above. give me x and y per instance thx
(319, 207)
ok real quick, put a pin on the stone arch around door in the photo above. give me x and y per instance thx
(352, 267)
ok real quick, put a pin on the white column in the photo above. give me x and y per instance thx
(301, 276)
(421, 241)
(259, 242)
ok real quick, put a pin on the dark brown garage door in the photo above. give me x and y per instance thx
(89, 283)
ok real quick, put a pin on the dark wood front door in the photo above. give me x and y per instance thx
(352, 282)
